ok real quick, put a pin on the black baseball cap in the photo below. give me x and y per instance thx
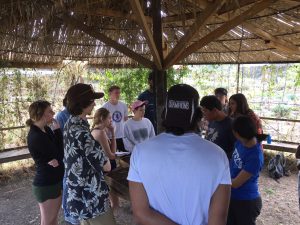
(82, 92)
(221, 91)
(182, 101)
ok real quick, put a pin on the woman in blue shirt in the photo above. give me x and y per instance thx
(245, 165)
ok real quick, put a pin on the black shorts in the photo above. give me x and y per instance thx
(244, 212)
(120, 145)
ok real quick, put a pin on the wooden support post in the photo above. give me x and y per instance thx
(160, 81)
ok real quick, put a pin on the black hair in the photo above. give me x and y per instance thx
(75, 108)
(178, 131)
(114, 87)
(242, 106)
(245, 127)
(211, 102)
(221, 91)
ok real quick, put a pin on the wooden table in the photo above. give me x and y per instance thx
(117, 179)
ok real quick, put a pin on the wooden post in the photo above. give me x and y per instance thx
(160, 81)
(238, 79)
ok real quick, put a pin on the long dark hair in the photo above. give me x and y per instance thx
(36, 111)
(245, 127)
(242, 104)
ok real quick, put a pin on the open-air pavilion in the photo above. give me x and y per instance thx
(149, 33)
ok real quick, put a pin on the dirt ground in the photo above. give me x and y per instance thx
(280, 203)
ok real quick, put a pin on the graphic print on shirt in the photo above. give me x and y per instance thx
(117, 116)
(237, 159)
(212, 135)
(140, 134)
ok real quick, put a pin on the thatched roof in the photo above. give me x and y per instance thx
(105, 32)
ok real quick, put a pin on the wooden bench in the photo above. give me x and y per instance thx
(14, 154)
(117, 181)
(281, 147)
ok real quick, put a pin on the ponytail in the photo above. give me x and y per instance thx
(29, 122)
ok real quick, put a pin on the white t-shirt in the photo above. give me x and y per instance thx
(118, 113)
(136, 132)
(180, 174)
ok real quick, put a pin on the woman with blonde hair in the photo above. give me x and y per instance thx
(102, 125)
(46, 148)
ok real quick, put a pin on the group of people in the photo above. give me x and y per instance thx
(176, 177)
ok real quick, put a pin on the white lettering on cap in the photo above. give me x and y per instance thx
(179, 105)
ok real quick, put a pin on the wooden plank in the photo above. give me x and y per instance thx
(109, 13)
(70, 20)
(279, 119)
(117, 181)
(33, 65)
(273, 41)
(200, 21)
(227, 26)
(275, 146)
(138, 11)
(226, 8)
(14, 155)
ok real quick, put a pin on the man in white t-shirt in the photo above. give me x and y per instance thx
(138, 128)
(177, 177)
(119, 114)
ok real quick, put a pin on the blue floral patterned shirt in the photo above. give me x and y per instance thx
(86, 189)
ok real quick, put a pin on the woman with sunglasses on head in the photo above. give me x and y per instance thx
(46, 148)
(102, 125)
(238, 106)
(245, 165)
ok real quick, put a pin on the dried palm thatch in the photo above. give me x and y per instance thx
(105, 33)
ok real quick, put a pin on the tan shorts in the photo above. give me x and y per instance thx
(104, 219)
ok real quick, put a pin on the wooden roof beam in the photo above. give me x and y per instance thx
(271, 40)
(202, 5)
(227, 26)
(138, 11)
(70, 20)
(33, 65)
(200, 21)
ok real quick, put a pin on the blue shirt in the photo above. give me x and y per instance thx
(250, 160)
(62, 117)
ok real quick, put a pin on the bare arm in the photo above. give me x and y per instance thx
(219, 204)
(241, 178)
(101, 137)
(107, 166)
(142, 212)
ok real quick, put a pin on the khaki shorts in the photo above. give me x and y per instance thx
(104, 219)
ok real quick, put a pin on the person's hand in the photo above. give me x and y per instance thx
(53, 163)
(111, 129)
(55, 125)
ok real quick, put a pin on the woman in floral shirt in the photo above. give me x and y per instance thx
(85, 161)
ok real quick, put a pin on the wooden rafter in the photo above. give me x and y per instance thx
(226, 8)
(108, 41)
(227, 26)
(273, 41)
(138, 11)
(200, 21)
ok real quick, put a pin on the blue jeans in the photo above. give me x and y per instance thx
(68, 217)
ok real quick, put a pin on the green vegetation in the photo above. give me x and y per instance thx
(272, 90)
